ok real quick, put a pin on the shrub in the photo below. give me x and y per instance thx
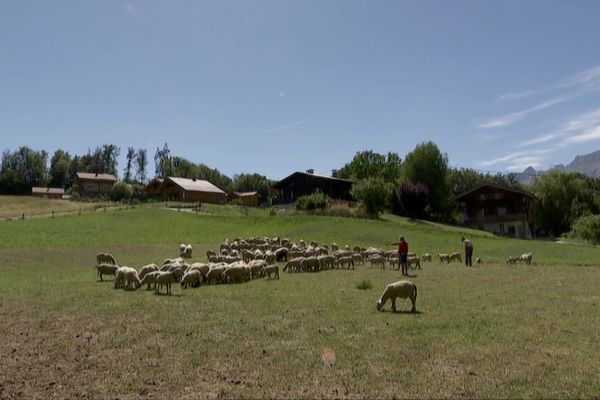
(364, 284)
(312, 202)
(272, 212)
(587, 228)
(410, 200)
(121, 191)
(373, 193)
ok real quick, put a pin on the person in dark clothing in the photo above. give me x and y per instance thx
(468, 251)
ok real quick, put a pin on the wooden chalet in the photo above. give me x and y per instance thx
(94, 185)
(152, 188)
(501, 210)
(299, 184)
(184, 189)
(249, 199)
(48, 192)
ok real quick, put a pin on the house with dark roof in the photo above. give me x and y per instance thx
(94, 185)
(249, 199)
(48, 192)
(184, 189)
(498, 209)
(299, 184)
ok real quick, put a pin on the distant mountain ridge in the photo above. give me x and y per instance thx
(586, 164)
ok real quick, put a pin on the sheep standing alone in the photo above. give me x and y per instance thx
(526, 258)
(106, 269)
(403, 289)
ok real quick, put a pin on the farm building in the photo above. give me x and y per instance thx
(250, 199)
(152, 188)
(497, 209)
(299, 184)
(184, 189)
(94, 185)
(50, 193)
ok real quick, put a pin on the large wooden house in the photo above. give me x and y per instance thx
(184, 189)
(249, 199)
(48, 192)
(299, 184)
(501, 210)
(94, 185)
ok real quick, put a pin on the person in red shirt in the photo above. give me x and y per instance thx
(403, 255)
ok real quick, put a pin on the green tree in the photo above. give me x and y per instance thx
(373, 193)
(60, 167)
(141, 161)
(251, 183)
(130, 158)
(427, 165)
(368, 164)
(22, 169)
(561, 198)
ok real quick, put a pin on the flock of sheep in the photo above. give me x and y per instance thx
(242, 260)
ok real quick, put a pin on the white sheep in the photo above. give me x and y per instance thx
(132, 279)
(120, 276)
(426, 257)
(511, 260)
(146, 269)
(377, 260)
(149, 279)
(106, 269)
(271, 269)
(293, 265)
(403, 289)
(416, 261)
(444, 257)
(164, 278)
(236, 274)
(192, 278)
(105, 258)
(526, 258)
(215, 273)
(455, 257)
(347, 261)
(478, 260)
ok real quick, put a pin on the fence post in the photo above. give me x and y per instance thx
(23, 216)
(52, 214)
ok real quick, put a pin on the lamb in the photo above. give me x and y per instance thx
(416, 261)
(526, 258)
(193, 278)
(403, 289)
(348, 261)
(271, 269)
(106, 269)
(444, 257)
(426, 257)
(185, 250)
(149, 278)
(164, 278)
(511, 260)
(105, 258)
(146, 269)
(478, 260)
(455, 257)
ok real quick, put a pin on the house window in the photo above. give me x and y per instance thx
(511, 230)
(498, 195)
(501, 210)
(502, 229)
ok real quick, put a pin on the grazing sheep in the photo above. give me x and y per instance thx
(293, 265)
(149, 278)
(146, 269)
(185, 250)
(478, 260)
(511, 260)
(203, 268)
(426, 257)
(164, 278)
(403, 289)
(132, 279)
(526, 258)
(358, 259)
(444, 257)
(377, 260)
(309, 264)
(455, 257)
(120, 276)
(414, 262)
(394, 263)
(256, 268)
(347, 261)
(106, 269)
(215, 272)
(282, 254)
(271, 269)
(105, 258)
(326, 262)
(236, 274)
(410, 254)
(192, 278)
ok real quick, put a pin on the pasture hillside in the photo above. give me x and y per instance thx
(488, 331)
(16, 206)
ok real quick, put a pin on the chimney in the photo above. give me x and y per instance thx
(334, 173)
(310, 171)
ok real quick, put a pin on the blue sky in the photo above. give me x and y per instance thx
(278, 86)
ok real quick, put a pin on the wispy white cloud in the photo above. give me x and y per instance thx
(535, 155)
(588, 79)
(509, 119)
(577, 130)
(131, 10)
(287, 126)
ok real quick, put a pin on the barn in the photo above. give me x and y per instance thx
(299, 184)
(184, 189)
(250, 199)
(94, 185)
(48, 192)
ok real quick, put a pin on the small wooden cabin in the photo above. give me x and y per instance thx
(48, 192)
(184, 189)
(249, 199)
(501, 210)
(299, 184)
(94, 185)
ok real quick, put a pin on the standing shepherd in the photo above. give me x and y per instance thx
(403, 255)
(468, 251)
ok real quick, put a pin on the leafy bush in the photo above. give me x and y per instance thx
(122, 191)
(587, 228)
(364, 284)
(373, 193)
(312, 202)
(272, 212)
(410, 200)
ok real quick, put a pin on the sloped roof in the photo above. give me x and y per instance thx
(96, 177)
(314, 176)
(245, 194)
(47, 190)
(194, 185)
(481, 186)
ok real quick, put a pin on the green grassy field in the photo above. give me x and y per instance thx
(490, 331)
(16, 206)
